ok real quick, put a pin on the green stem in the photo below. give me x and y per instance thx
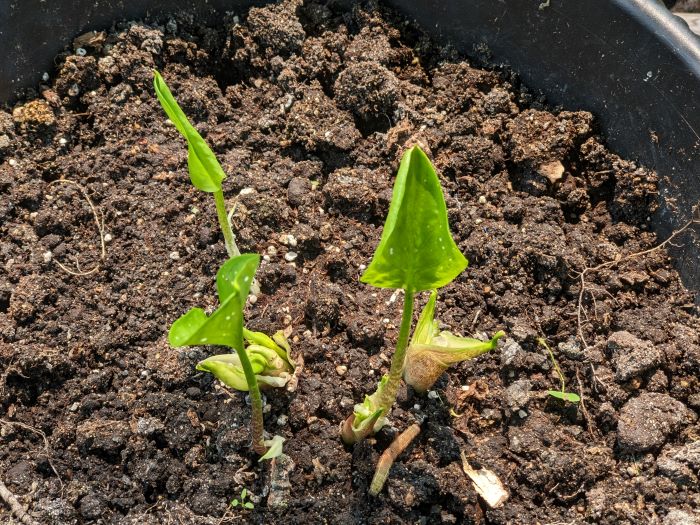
(225, 224)
(554, 362)
(256, 422)
(388, 397)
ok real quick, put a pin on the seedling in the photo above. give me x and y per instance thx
(416, 253)
(206, 173)
(242, 502)
(225, 327)
(559, 394)
(431, 351)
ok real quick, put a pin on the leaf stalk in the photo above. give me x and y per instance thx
(388, 395)
(225, 223)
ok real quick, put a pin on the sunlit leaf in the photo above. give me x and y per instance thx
(206, 173)
(416, 251)
(564, 396)
(225, 325)
(274, 448)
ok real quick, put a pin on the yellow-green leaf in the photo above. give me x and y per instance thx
(416, 251)
(206, 173)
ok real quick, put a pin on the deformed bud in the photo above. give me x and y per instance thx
(431, 352)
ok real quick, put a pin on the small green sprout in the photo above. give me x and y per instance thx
(242, 502)
(431, 351)
(416, 253)
(206, 173)
(225, 327)
(559, 394)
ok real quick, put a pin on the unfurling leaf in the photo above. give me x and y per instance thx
(431, 352)
(206, 173)
(274, 448)
(367, 418)
(270, 368)
(416, 251)
(225, 325)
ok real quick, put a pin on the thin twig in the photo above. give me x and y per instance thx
(15, 506)
(47, 447)
(389, 456)
(610, 264)
(582, 404)
(100, 227)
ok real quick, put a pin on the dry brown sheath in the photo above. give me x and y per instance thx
(389, 456)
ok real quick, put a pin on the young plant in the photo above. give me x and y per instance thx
(559, 394)
(225, 327)
(416, 253)
(205, 171)
(431, 351)
(242, 502)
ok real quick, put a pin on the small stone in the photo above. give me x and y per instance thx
(63, 141)
(282, 420)
(552, 171)
(48, 256)
(297, 190)
(522, 414)
(571, 349)
(290, 256)
(252, 299)
(482, 199)
(247, 191)
(341, 370)
(518, 394)
(74, 407)
(681, 464)
(174, 256)
(632, 356)
(648, 420)
(511, 351)
(147, 426)
(108, 237)
(432, 394)
(680, 517)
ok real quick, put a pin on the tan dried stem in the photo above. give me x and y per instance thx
(611, 264)
(100, 228)
(389, 456)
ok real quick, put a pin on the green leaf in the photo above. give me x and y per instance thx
(206, 173)
(416, 251)
(227, 369)
(426, 327)
(235, 503)
(248, 505)
(261, 339)
(564, 396)
(448, 349)
(244, 493)
(274, 448)
(225, 325)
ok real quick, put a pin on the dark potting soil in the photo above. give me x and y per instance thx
(309, 107)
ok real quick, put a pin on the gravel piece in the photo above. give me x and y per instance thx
(632, 356)
(648, 420)
(518, 394)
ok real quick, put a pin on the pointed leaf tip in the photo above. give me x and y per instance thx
(206, 173)
(416, 251)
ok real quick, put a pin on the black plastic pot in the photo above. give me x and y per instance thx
(630, 62)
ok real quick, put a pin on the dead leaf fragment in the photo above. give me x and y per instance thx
(486, 484)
